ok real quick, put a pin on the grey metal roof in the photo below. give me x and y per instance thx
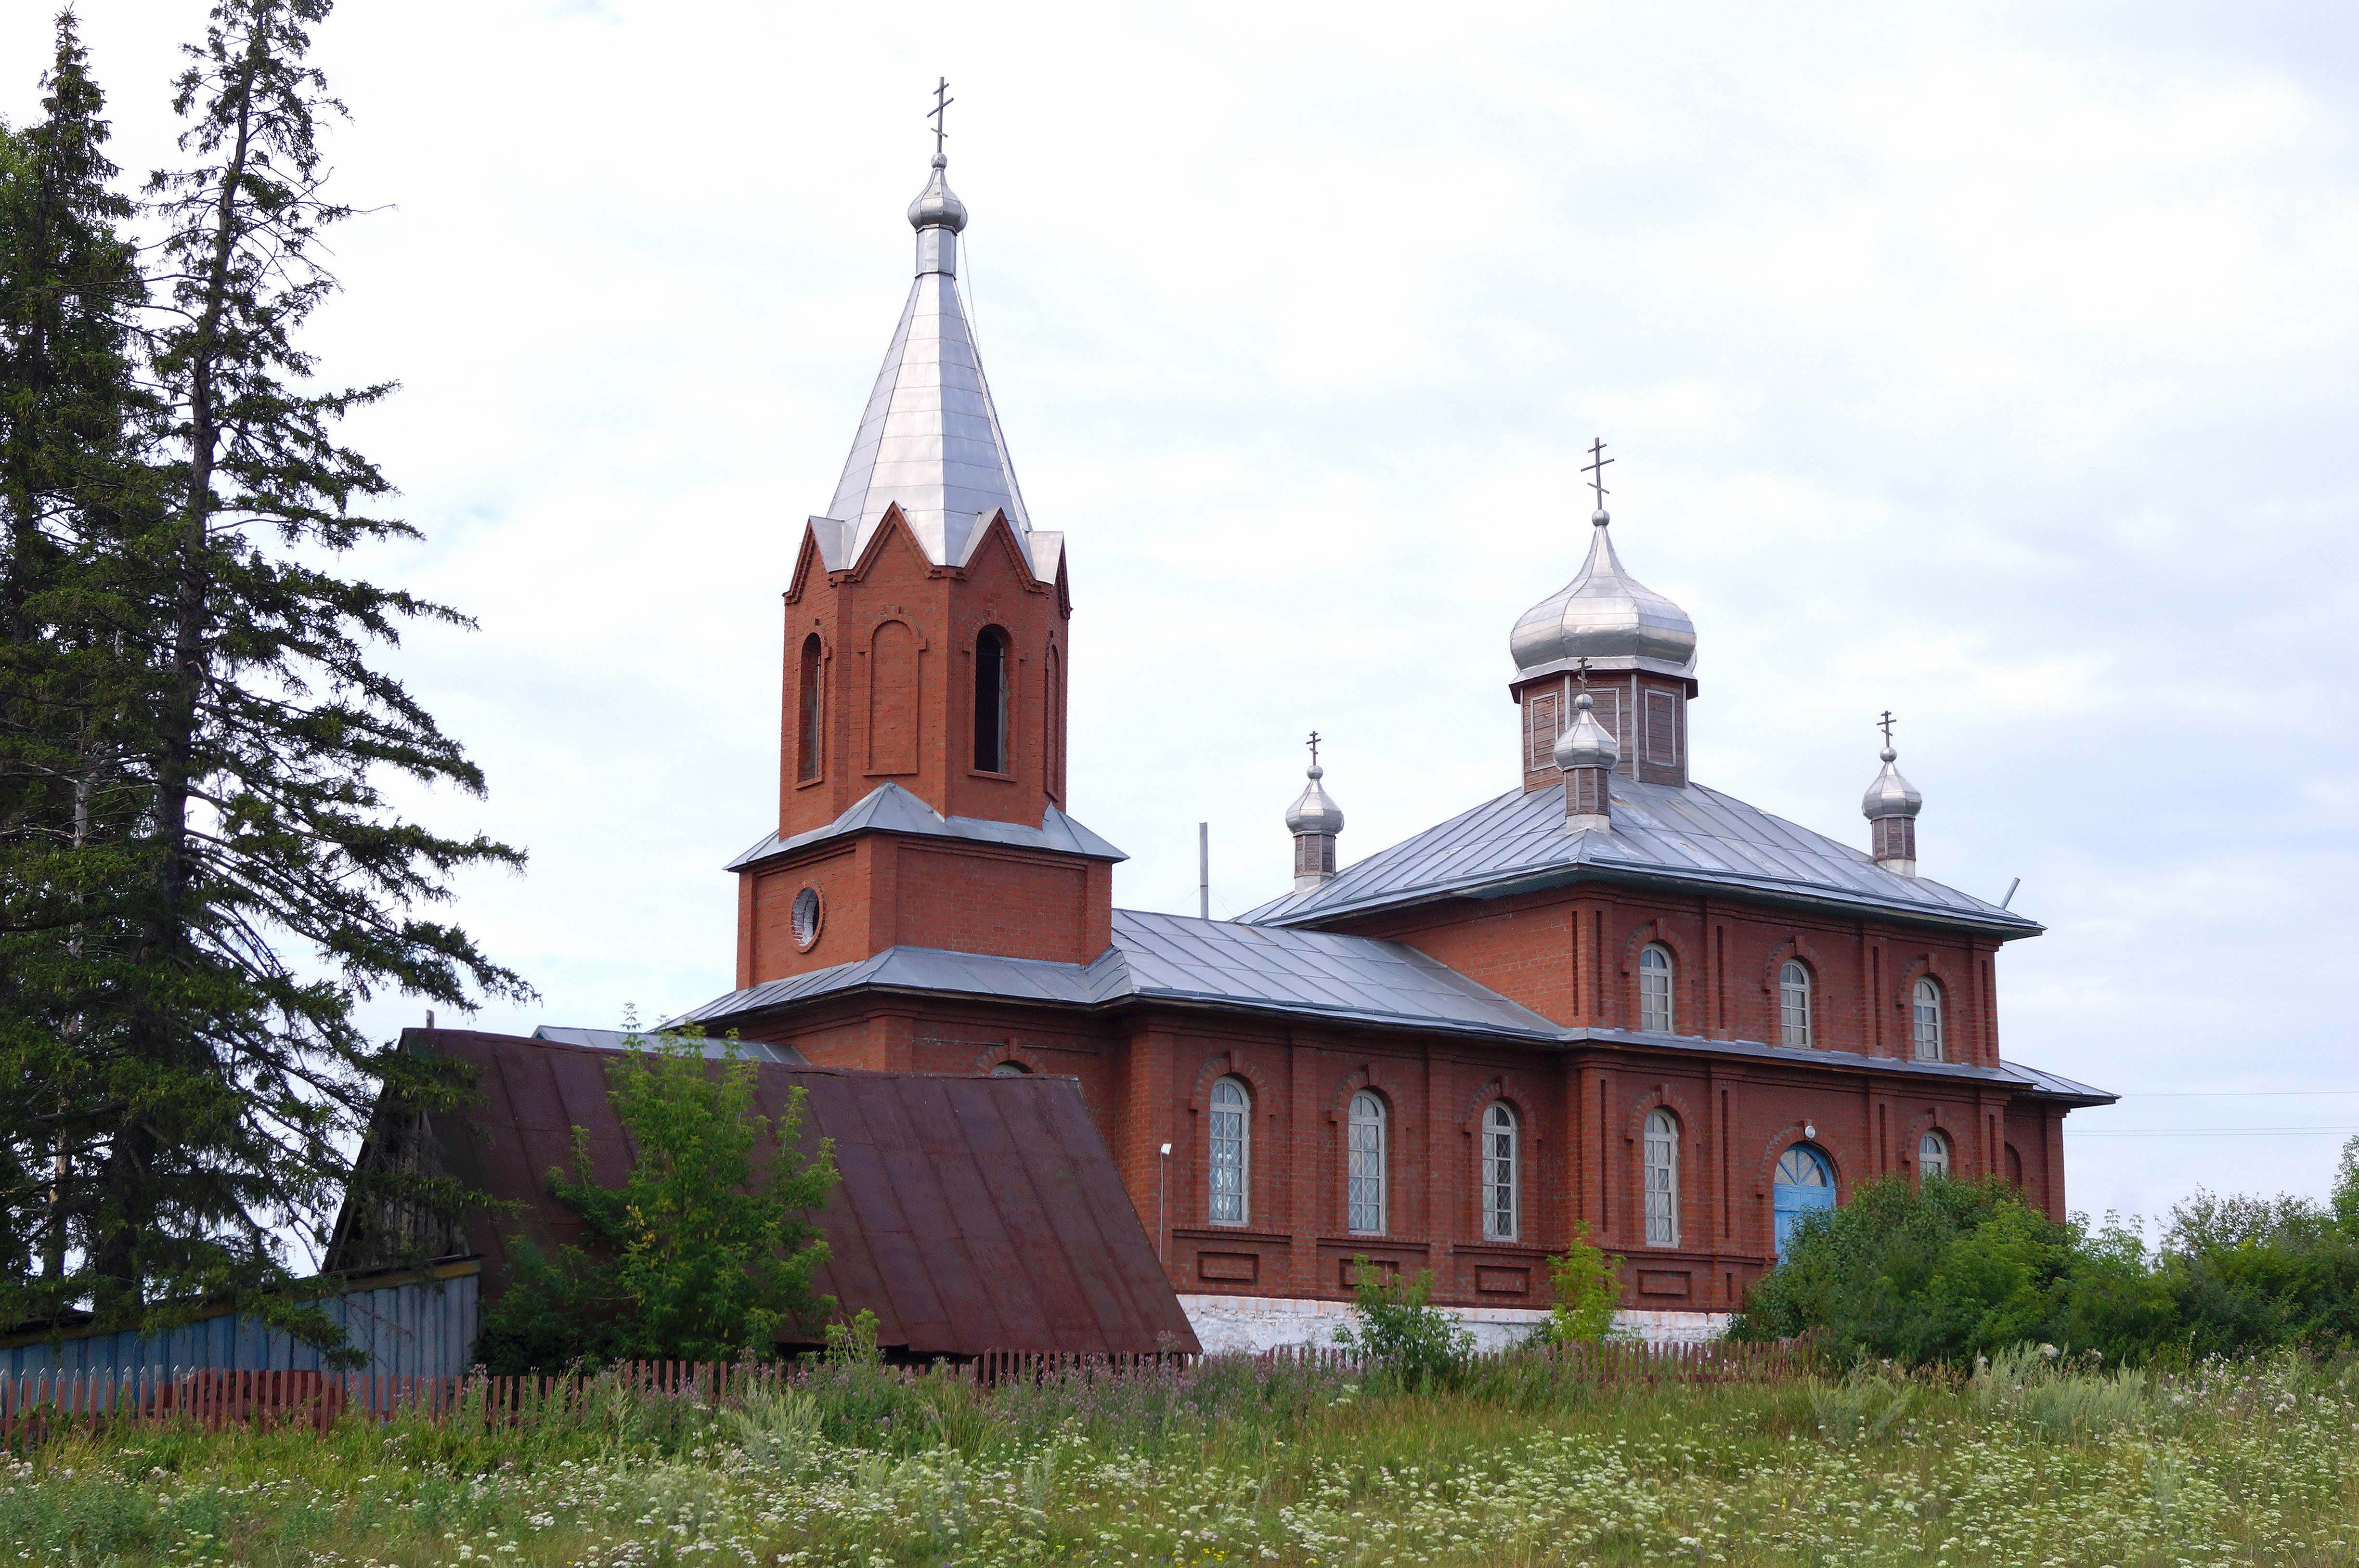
(618, 1039)
(1662, 833)
(1179, 958)
(1349, 979)
(889, 808)
(2060, 1087)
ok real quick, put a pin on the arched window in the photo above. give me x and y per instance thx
(2014, 1166)
(1932, 1154)
(1364, 1196)
(1794, 1004)
(1662, 1178)
(1009, 1070)
(1805, 1184)
(1499, 1173)
(1927, 1015)
(1655, 988)
(1228, 1161)
(991, 701)
(807, 753)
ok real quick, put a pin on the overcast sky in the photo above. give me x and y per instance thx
(1992, 363)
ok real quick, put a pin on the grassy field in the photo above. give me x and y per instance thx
(2025, 1463)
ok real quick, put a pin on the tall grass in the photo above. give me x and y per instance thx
(2026, 1459)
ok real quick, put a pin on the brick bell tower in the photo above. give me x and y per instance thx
(921, 756)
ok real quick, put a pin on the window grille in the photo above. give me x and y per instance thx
(1655, 989)
(1499, 1173)
(1662, 1179)
(1932, 1154)
(1364, 1194)
(1794, 1004)
(1927, 1012)
(1231, 1152)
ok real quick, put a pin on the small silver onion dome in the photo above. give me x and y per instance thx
(1584, 743)
(1606, 616)
(936, 206)
(1890, 795)
(1313, 811)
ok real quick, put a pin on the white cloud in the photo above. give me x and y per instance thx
(1991, 363)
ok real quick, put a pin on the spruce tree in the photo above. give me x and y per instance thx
(264, 884)
(69, 473)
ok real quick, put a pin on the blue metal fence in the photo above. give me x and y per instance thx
(420, 1323)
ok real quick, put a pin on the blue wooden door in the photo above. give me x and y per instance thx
(1805, 1184)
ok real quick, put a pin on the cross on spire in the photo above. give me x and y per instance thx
(941, 101)
(1583, 666)
(1313, 744)
(1595, 469)
(1884, 724)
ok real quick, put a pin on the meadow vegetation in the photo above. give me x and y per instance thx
(2030, 1459)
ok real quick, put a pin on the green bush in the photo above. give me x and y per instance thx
(698, 1255)
(1953, 1271)
(1412, 1343)
(1588, 1286)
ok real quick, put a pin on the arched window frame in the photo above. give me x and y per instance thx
(1228, 1152)
(1658, 989)
(1935, 1154)
(1500, 1173)
(1366, 1187)
(1659, 1177)
(994, 653)
(811, 721)
(1926, 1023)
(1795, 1019)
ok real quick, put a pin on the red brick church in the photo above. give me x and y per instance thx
(1610, 995)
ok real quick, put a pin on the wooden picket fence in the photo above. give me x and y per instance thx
(46, 1404)
(41, 1404)
(1707, 1361)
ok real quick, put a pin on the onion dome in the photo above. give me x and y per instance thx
(1890, 795)
(1313, 810)
(1606, 616)
(935, 207)
(1584, 743)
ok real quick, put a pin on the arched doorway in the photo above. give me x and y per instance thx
(1805, 1184)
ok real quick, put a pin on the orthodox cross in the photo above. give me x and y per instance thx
(1314, 748)
(941, 101)
(1884, 724)
(1595, 469)
(1584, 668)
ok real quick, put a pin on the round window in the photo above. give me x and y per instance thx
(807, 917)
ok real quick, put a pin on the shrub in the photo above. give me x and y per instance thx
(1588, 1286)
(1955, 1271)
(1412, 1343)
(1939, 1271)
(698, 1255)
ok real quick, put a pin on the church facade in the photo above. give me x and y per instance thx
(1609, 1000)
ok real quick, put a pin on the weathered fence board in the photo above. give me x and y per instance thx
(42, 1403)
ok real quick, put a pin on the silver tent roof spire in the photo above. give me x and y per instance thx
(929, 439)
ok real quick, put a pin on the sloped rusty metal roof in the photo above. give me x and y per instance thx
(973, 1213)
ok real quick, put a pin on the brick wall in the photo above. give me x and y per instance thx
(1147, 1079)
